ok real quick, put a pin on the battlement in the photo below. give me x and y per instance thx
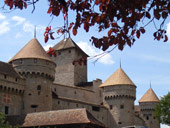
(35, 67)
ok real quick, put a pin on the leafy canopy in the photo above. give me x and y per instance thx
(122, 19)
(162, 110)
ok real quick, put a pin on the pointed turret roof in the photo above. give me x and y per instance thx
(119, 77)
(149, 96)
(66, 44)
(32, 49)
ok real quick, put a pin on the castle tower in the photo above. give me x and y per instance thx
(147, 105)
(119, 94)
(68, 73)
(36, 67)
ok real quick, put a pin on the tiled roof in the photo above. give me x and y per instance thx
(119, 77)
(149, 96)
(55, 118)
(7, 69)
(32, 49)
(66, 44)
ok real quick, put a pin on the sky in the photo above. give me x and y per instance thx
(147, 62)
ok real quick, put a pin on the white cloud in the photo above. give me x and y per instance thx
(4, 27)
(47, 47)
(164, 126)
(106, 59)
(2, 17)
(28, 27)
(18, 35)
(18, 19)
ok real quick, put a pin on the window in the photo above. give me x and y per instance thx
(35, 60)
(29, 94)
(58, 102)
(6, 110)
(20, 61)
(34, 106)
(111, 106)
(147, 117)
(95, 108)
(77, 105)
(119, 122)
(121, 106)
(75, 92)
(69, 51)
(59, 53)
(47, 62)
(16, 79)
(39, 88)
(5, 76)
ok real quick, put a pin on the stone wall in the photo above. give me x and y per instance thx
(11, 93)
(39, 75)
(66, 72)
(92, 95)
(147, 114)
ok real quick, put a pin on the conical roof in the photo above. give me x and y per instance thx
(149, 96)
(32, 49)
(66, 44)
(119, 77)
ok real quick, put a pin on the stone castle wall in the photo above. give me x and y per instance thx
(66, 72)
(11, 92)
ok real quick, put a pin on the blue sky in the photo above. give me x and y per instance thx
(147, 61)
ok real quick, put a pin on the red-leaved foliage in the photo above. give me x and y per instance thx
(120, 18)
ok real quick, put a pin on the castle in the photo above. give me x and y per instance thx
(35, 84)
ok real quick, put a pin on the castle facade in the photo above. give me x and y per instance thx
(33, 82)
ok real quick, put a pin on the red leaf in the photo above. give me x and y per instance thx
(142, 30)
(25, 4)
(166, 38)
(51, 36)
(164, 15)
(46, 38)
(133, 32)
(148, 15)
(109, 32)
(156, 14)
(49, 10)
(74, 31)
(138, 34)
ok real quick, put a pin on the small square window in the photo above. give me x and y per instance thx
(35, 60)
(111, 107)
(20, 61)
(121, 106)
(58, 102)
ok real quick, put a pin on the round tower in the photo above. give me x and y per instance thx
(147, 105)
(38, 69)
(119, 94)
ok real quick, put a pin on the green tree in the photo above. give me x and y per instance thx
(162, 111)
(3, 123)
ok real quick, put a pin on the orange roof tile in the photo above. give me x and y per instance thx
(32, 49)
(119, 77)
(149, 96)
